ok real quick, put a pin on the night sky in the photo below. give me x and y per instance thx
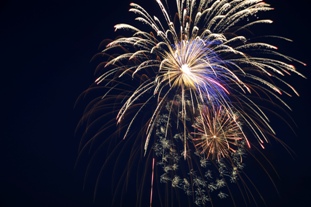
(45, 60)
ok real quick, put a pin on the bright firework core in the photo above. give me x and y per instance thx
(186, 69)
(190, 64)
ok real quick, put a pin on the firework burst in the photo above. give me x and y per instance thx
(218, 134)
(202, 76)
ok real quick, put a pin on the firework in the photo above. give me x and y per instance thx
(195, 79)
(218, 134)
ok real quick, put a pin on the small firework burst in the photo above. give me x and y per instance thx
(217, 133)
(195, 83)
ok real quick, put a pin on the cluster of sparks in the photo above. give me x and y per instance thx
(204, 75)
(218, 134)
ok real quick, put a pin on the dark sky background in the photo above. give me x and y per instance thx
(45, 53)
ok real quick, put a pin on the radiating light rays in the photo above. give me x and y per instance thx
(197, 81)
(217, 133)
(191, 64)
